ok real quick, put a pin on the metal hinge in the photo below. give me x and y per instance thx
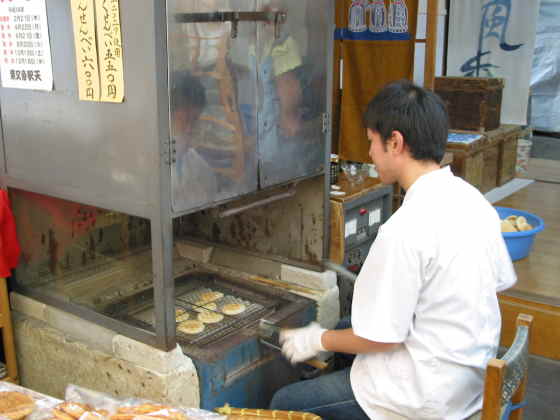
(169, 151)
(326, 122)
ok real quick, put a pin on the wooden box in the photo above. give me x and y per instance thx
(473, 103)
(469, 158)
(486, 160)
(507, 158)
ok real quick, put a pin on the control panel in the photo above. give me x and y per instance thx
(362, 219)
(355, 221)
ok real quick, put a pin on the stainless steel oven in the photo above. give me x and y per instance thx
(222, 138)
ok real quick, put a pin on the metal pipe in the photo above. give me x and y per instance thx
(343, 271)
(230, 212)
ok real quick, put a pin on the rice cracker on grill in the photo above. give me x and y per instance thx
(202, 306)
(210, 296)
(233, 308)
(191, 327)
(209, 317)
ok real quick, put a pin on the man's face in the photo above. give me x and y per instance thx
(381, 157)
(185, 119)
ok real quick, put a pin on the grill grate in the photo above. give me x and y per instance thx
(191, 302)
(189, 293)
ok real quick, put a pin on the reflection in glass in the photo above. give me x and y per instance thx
(259, 122)
(291, 76)
(80, 253)
(213, 143)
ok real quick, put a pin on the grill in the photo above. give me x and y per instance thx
(259, 303)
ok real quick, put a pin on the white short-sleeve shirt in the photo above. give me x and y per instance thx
(430, 282)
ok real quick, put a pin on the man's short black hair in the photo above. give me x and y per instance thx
(187, 92)
(417, 113)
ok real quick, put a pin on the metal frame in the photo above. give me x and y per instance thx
(328, 136)
(235, 17)
(162, 224)
(160, 216)
(156, 207)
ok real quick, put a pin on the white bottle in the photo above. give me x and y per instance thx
(398, 16)
(377, 16)
(357, 17)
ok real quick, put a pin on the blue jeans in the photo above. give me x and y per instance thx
(329, 396)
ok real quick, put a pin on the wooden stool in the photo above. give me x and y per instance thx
(7, 334)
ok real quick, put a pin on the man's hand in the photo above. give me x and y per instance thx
(301, 344)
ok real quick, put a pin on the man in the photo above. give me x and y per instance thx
(194, 181)
(425, 315)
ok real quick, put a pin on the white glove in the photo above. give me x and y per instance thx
(301, 344)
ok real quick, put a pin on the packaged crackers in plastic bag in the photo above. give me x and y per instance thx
(105, 407)
(18, 403)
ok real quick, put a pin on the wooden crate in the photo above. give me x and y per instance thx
(491, 157)
(468, 160)
(507, 158)
(488, 162)
(473, 103)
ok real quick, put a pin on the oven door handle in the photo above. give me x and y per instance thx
(277, 18)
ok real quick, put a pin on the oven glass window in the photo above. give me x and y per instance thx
(88, 256)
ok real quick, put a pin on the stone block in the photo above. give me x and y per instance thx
(78, 328)
(328, 306)
(312, 279)
(194, 251)
(27, 306)
(49, 360)
(149, 357)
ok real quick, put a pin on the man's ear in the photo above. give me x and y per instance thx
(397, 144)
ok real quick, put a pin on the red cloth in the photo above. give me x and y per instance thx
(9, 245)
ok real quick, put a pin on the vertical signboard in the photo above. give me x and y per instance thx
(110, 50)
(87, 67)
(25, 52)
(98, 44)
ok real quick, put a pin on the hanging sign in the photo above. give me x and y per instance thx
(110, 50)
(25, 52)
(98, 44)
(87, 67)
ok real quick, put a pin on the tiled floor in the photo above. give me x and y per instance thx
(543, 392)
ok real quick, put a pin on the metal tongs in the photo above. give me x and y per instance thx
(269, 335)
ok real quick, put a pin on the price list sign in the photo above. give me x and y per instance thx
(25, 52)
(99, 61)
(110, 50)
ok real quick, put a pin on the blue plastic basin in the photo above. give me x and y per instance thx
(519, 244)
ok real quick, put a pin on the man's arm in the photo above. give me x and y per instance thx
(345, 341)
(301, 344)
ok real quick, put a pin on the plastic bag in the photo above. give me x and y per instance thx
(133, 408)
(24, 402)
